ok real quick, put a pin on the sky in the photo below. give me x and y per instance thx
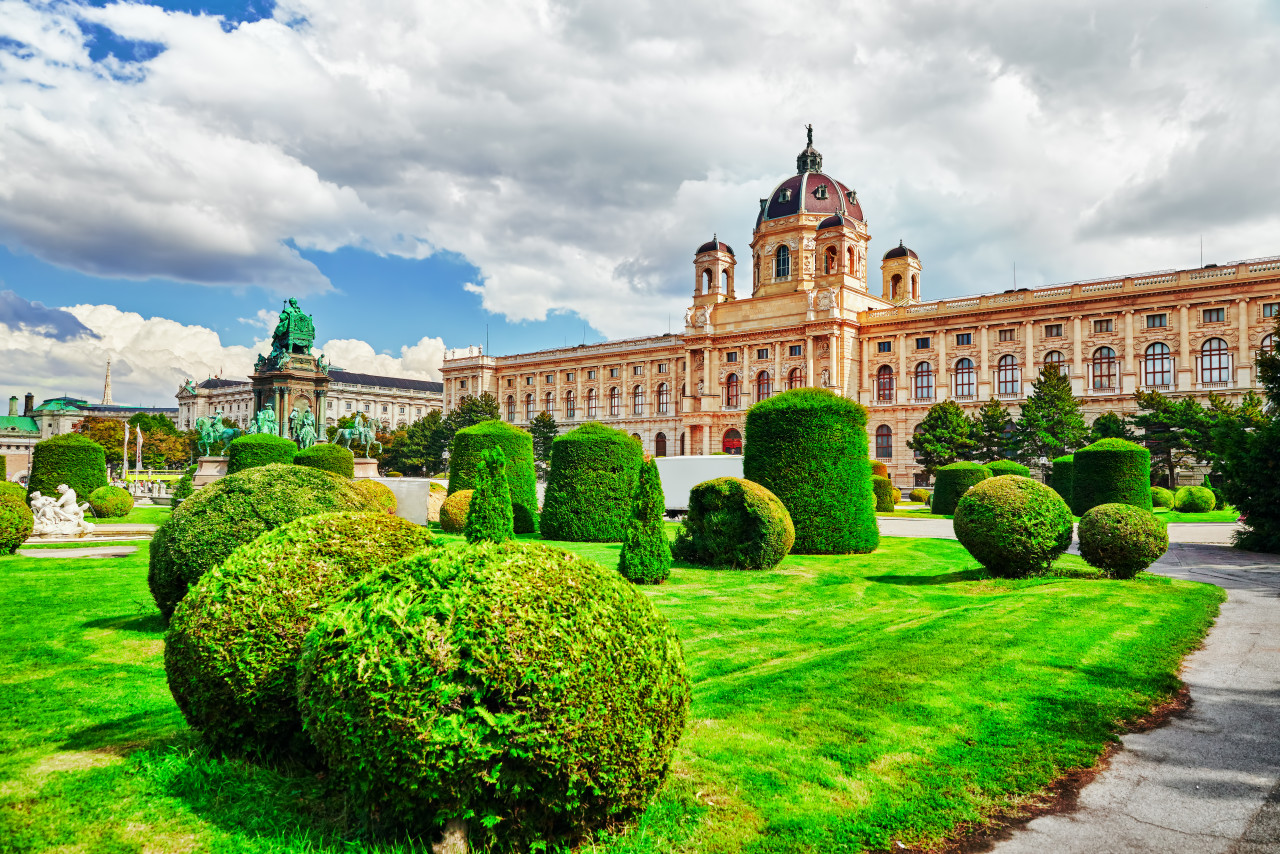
(429, 175)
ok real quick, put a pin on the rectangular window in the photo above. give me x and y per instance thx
(591, 375)
(550, 378)
(613, 372)
(796, 350)
(462, 383)
(366, 407)
(762, 353)
(964, 339)
(402, 410)
(1102, 326)
(511, 381)
(1008, 334)
(1053, 330)
(1271, 309)
(568, 376)
(328, 404)
(662, 368)
(638, 370)
(528, 380)
(884, 346)
(384, 409)
(1215, 315)
(922, 343)
(348, 406)
(419, 410)
(731, 357)
(1155, 321)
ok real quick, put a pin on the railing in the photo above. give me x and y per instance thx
(923, 401)
(875, 401)
(1090, 390)
(1008, 395)
(964, 396)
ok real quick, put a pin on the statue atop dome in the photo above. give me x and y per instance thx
(808, 160)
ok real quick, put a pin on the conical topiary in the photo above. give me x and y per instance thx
(489, 518)
(646, 553)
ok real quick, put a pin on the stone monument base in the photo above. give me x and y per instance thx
(366, 469)
(209, 469)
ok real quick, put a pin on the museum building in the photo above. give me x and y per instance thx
(810, 319)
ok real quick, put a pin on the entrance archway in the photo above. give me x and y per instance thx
(732, 443)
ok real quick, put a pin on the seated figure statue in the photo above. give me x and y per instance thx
(62, 516)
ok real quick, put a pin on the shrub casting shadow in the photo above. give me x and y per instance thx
(130, 731)
(149, 624)
(918, 580)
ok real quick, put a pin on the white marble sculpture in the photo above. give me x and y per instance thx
(59, 517)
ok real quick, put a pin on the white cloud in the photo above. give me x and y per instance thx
(419, 361)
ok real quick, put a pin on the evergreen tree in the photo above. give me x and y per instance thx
(1164, 422)
(1051, 424)
(412, 451)
(988, 431)
(490, 518)
(470, 411)
(1248, 462)
(544, 430)
(1108, 425)
(646, 552)
(944, 437)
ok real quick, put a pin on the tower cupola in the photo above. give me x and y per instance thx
(808, 160)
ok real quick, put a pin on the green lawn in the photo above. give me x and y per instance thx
(840, 703)
(1229, 514)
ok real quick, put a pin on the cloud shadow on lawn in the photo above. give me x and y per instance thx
(917, 580)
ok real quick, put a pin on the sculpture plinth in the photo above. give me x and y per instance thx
(366, 468)
(209, 469)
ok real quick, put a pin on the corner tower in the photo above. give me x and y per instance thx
(713, 265)
(900, 274)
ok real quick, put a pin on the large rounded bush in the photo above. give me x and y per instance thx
(70, 458)
(16, 523)
(259, 449)
(808, 446)
(1194, 499)
(1161, 497)
(736, 523)
(1110, 471)
(921, 495)
(232, 650)
(952, 481)
(593, 474)
(1013, 525)
(232, 511)
(329, 457)
(1122, 540)
(1060, 477)
(110, 501)
(17, 490)
(883, 490)
(517, 445)
(378, 495)
(515, 681)
(454, 510)
(999, 468)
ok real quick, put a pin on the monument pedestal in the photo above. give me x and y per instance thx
(209, 469)
(366, 469)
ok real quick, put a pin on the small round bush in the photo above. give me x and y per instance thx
(378, 495)
(17, 490)
(329, 457)
(897, 496)
(110, 501)
(879, 469)
(232, 650)
(1122, 540)
(999, 468)
(1013, 525)
(1110, 471)
(921, 495)
(232, 511)
(593, 474)
(259, 449)
(69, 458)
(884, 494)
(453, 513)
(16, 523)
(1194, 499)
(951, 482)
(1161, 497)
(516, 682)
(1060, 476)
(522, 478)
(735, 523)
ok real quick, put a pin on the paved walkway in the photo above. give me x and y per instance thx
(62, 554)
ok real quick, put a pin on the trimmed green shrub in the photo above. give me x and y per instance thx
(1161, 497)
(879, 469)
(999, 468)
(232, 511)
(395, 474)
(379, 495)
(921, 495)
(735, 523)
(593, 474)
(1060, 476)
(952, 481)
(16, 523)
(454, 511)
(516, 682)
(185, 486)
(646, 552)
(1194, 499)
(17, 490)
(897, 495)
(928, 501)
(232, 650)
(1121, 540)
(1218, 501)
(522, 479)
(70, 458)
(110, 501)
(884, 494)
(489, 518)
(1110, 471)
(808, 446)
(259, 449)
(1013, 525)
(329, 457)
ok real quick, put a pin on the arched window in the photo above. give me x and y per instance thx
(615, 401)
(1269, 343)
(795, 378)
(1157, 365)
(916, 434)
(1104, 368)
(849, 263)
(895, 287)
(829, 262)
(781, 263)
(664, 398)
(528, 407)
(915, 286)
(706, 282)
(511, 408)
(884, 383)
(637, 400)
(964, 378)
(680, 400)
(924, 381)
(732, 442)
(570, 404)
(732, 391)
(884, 442)
(680, 444)
(660, 445)
(1007, 375)
(724, 280)
(593, 403)
(1054, 357)
(764, 385)
(549, 403)
(1215, 362)
(636, 436)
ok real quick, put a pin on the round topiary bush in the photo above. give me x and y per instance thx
(951, 482)
(921, 495)
(259, 449)
(1161, 497)
(453, 513)
(16, 523)
(883, 490)
(1122, 540)
(879, 469)
(735, 523)
(999, 468)
(232, 511)
(897, 496)
(1194, 499)
(1013, 525)
(70, 458)
(1110, 471)
(329, 457)
(17, 490)
(232, 650)
(378, 495)
(593, 474)
(517, 682)
(517, 445)
(808, 446)
(1060, 476)
(109, 501)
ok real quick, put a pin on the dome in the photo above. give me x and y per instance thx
(810, 191)
(901, 251)
(833, 221)
(714, 245)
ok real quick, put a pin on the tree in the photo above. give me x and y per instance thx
(153, 423)
(1050, 424)
(411, 452)
(988, 430)
(1108, 425)
(470, 410)
(1248, 460)
(107, 432)
(544, 430)
(1164, 421)
(489, 518)
(944, 437)
(646, 552)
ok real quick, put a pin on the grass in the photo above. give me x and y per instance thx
(1227, 515)
(151, 514)
(840, 704)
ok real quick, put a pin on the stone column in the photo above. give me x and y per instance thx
(832, 362)
(1029, 372)
(942, 384)
(862, 371)
(1186, 365)
(984, 378)
(279, 407)
(1077, 357)
(711, 374)
(1244, 358)
(898, 390)
(1127, 382)
(810, 364)
(779, 384)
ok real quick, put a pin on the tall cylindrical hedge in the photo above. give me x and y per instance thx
(75, 460)
(1060, 477)
(1000, 468)
(329, 457)
(1110, 471)
(259, 449)
(808, 446)
(517, 445)
(953, 481)
(593, 474)
(883, 490)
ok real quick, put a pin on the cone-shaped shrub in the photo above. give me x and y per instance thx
(329, 457)
(1061, 477)
(1122, 540)
(884, 494)
(70, 458)
(1004, 467)
(735, 523)
(593, 475)
(808, 446)
(109, 501)
(646, 552)
(454, 510)
(517, 445)
(259, 449)
(16, 523)
(1161, 497)
(489, 517)
(1110, 471)
(1013, 526)
(953, 481)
